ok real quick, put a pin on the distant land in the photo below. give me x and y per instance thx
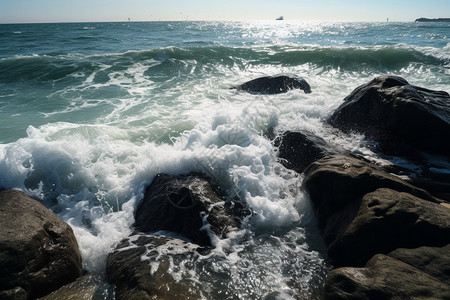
(433, 20)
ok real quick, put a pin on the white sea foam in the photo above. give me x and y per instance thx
(101, 134)
(96, 173)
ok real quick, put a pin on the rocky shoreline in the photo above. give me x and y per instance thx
(386, 227)
(386, 231)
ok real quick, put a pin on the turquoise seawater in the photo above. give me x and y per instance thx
(91, 112)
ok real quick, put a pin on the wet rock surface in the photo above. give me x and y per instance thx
(387, 228)
(405, 121)
(297, 150)
(38, 251)
(139, 267)
(188, 205)
(384, 278)
(387, 220)
(336, 185)
(434, 261)
(365, 213)
(401, 117)
(275, 84)
(88, 286)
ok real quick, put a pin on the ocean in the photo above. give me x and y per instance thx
(90, 113)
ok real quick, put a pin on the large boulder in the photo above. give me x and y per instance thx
(366, 213)
(144, 267)
(38, 251)
(387, 220)
(435, 261)
(275, 84)
(188, 205)
(396, 114)
(298, 149)
(336, 184)
(384, 278)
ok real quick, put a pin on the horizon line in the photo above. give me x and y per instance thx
(199, 20)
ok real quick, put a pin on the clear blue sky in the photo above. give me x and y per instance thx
(14, 11)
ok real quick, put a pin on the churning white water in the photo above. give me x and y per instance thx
(86, 124)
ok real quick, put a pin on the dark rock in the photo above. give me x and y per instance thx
(400, 116)
(139, 267)
(384, 278)
(275, 84)
(297, 150)
(435, 261)
(336, 184)
(387, 220)
(187, 205)
(364, 212)
(432, 177)
(38, 251)
(86, 287)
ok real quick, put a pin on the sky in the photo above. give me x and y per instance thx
(43, 11)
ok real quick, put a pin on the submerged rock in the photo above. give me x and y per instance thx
(398, 115)
(384, 277)
(188, 205)
(297, 150)
(275, 85)
(38, 251)
(144, 266)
